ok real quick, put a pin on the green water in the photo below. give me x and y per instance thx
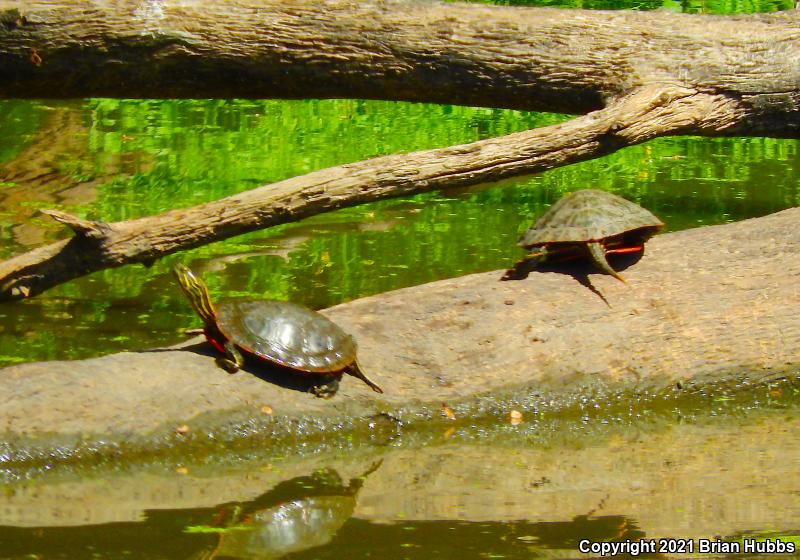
(476, 488)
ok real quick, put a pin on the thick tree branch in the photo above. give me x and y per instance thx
(639, 117)
(571, 61)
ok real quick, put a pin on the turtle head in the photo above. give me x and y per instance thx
(196, 292)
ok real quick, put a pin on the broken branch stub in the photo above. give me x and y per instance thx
(82, 228)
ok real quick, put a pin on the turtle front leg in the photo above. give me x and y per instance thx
(527, 263)
(326, 390)
(232, 361)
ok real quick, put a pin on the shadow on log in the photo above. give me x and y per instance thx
(702, 306)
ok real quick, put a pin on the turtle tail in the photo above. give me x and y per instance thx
(356, 371)
(598, 254)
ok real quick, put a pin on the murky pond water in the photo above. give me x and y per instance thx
(706, 471)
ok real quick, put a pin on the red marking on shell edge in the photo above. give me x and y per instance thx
(219, 345)
(621, 250)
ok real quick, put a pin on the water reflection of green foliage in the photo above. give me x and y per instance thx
(205, 150)
(18, 120)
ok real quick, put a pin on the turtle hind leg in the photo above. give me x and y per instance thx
(356, 371)
(327, 389)
(598, 255)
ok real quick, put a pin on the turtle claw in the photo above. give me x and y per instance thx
(226, 364)
(233, 360)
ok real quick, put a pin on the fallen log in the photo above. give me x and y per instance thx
(541, 59)
(702, 306)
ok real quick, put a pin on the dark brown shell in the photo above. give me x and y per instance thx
(589, 215)
(288, 334)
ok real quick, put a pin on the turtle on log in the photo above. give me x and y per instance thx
(588, 223)
(277, 332)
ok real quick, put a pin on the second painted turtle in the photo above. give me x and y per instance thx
(590, 223)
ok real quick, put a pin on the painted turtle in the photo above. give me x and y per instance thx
(277, 332)
(590, 223)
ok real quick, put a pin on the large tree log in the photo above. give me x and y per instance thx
(702, 307)
(542, 59)
(658, 73)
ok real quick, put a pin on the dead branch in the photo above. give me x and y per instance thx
(648, 113)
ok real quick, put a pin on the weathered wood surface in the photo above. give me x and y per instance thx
(571, 61)
(701, 305)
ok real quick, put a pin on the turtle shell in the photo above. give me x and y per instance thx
(288, 334)
(589, 215)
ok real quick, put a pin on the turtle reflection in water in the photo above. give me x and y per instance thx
(276, 332)
(295, 515)
(587, 223)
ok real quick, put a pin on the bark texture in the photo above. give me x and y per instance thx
(528, 58)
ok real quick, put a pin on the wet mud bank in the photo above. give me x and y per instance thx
(703, 308)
